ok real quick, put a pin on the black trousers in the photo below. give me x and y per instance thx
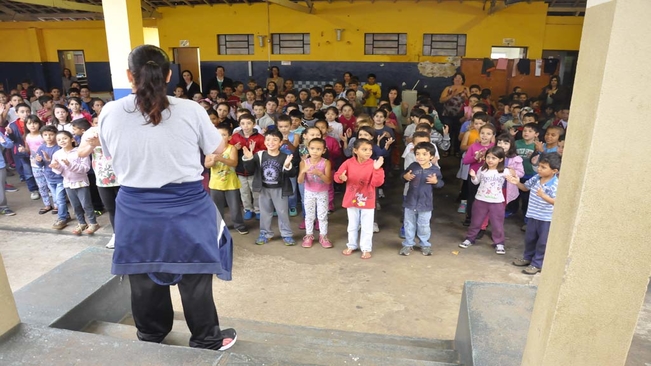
(98, 205)
(151, 305)
(472, 191)
(108, 196)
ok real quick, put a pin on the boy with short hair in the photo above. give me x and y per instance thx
(261, 117)
(6, 143)
(54, 181)
(15, 132)
(271, 107)
(328, 99)
(442, 142)
(524, 148)
(422, 175)
(539, 212)
(274, 186)
(247, 137)
(74, 93)
(287, 146)
(308, 114)
(45, 113)
(224, 184)
(372, 93)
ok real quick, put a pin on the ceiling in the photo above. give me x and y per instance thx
(66, 10)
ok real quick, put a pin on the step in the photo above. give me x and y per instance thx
(253, 326)
(297, 350)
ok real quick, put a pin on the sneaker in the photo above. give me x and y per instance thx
(242, 230)
(406, 250)
(92, 228)
(262, 239)
(7, 212)
(60, 224)
(521, 262)
(293, 212)
(466, 244)
(257, 216)
(401, 234)
(79, 229)
(462, 207)
(324, 241)
(307, 241)
(426, 250)
(499, 249)
(34, 195)
(480, 234)
(111, 243)
(248, 215)
(376, 229)
(10, 188)
(508, 214)
(531, 270)
(228, 333)
(289, 241)
(98, 213)
(380, 193)
(302, 225)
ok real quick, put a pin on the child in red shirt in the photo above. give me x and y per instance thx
(362, 176)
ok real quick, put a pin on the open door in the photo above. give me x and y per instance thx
(188, 59)
(75, 62)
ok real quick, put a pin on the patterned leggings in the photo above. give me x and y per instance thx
(39, 176)
(316, 203)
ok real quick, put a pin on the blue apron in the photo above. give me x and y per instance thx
(170, 231)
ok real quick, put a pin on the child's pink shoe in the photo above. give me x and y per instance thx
(307, 241)
(302, 225)
(325, 242)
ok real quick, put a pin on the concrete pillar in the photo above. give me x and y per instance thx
(598, 258)
(8, 313)
(123, 23)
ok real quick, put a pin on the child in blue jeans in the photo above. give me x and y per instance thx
(6, 143)
(539, 212)
(54, 181)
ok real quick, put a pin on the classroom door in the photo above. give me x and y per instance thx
(188, 58)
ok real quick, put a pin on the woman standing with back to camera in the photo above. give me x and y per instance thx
(167, 230)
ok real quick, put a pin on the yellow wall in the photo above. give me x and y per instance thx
(88, 36)
(528, 24)
(563, 33)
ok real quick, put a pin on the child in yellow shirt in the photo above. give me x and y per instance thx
(224, 184)
(372, 93)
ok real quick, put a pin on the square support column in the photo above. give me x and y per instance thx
(124, 32)
(598, 258)
(8, 313)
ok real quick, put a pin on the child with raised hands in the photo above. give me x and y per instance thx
(422, 176)
(316, 175)
(362, 176)
(271, 172)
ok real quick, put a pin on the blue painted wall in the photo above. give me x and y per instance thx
(48, 74)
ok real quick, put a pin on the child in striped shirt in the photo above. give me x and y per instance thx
(539, 211)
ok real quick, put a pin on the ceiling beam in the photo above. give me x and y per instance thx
(566, 9)
(54, 16)
(309, 3)
(292, 5)
(63, 4)
(149, 11)
(188, 3)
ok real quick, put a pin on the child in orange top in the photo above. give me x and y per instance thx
(362, 176)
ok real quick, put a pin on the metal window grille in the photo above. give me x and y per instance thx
(235, 44)
(385, 44)
(290, 43)
(444, 44)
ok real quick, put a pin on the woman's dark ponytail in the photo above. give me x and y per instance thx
(150, 66)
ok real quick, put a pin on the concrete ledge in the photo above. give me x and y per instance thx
(76, 292)
(493, 323)
(39, 345)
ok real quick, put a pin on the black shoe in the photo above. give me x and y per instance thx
(466, 222)
(228, 333)
(480, 234)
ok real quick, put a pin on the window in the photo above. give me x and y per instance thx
(385, 44)
(508, 52)
(290, 43)
(235, 44)
(444, 45)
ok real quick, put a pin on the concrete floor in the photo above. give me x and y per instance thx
(391, 294)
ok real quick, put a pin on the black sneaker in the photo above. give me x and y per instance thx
(228, 333)
(242, 231)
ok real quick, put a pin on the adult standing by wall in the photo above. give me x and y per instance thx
(191, 88)
(67, 79)
(220, 81)
(453, 98)
(274, 75)
(554, 94)
(167, 229)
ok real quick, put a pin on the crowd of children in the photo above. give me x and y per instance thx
(290, 150)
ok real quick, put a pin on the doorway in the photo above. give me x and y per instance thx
(75, 61)
(188, 59)
(567, 61)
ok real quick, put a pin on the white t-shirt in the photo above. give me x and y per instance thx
(490, 185)
(148, 156)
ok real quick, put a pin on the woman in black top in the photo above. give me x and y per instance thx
(191, 88)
